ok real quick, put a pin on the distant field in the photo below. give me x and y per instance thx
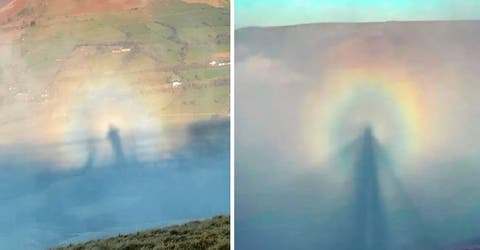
(54, 51)
(197, 235)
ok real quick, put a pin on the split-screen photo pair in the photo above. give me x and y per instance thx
(239, 124)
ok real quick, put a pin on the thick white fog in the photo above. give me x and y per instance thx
(304, 93)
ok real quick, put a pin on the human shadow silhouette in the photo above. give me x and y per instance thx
(113, 136)
(370, 229)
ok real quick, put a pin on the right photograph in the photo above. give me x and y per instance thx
(357, 125)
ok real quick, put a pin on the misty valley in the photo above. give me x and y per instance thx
(115, 190)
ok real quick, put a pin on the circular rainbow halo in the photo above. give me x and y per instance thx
(349, 100)
(99, 106)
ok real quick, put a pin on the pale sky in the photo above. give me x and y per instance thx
(289, 12)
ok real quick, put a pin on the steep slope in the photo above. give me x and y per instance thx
(55, 52)
(208, 234)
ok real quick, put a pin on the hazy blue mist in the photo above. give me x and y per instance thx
(44, 206)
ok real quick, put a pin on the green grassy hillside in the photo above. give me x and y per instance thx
(197, 235)
(56, 51)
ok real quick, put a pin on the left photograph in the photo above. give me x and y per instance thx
(114, 124)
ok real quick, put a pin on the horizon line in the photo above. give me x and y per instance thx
(360, 22)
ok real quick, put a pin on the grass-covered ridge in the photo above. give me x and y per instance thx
(196, 235)
(61, 48)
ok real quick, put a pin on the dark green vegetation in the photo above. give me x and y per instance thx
(209, 234)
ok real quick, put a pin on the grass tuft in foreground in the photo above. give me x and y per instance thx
(196, 235)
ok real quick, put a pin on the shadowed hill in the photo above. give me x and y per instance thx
(209, 234)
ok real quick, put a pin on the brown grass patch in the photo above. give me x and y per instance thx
(221, 56)
(62, 7)
(214, 3)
